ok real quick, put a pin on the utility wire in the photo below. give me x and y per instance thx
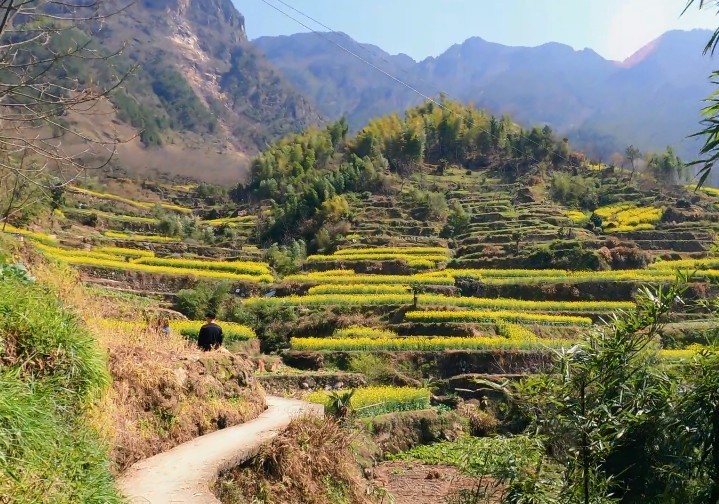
(357, 44)
(396, 79)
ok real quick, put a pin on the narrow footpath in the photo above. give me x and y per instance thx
(184, 473)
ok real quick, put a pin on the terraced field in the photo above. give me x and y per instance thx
(525, 277)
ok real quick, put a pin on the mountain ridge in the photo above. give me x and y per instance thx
(602, 105)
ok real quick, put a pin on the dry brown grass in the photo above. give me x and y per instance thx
(164, 391)
(481, 423)
(310, 463)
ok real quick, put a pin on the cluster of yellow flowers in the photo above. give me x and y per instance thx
(579, 218)
(515, 332)
(624, 217)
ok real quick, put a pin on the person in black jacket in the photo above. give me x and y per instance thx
(210, 337)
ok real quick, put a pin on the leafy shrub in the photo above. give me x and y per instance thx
(197, 302)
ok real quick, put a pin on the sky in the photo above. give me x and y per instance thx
(421, 28)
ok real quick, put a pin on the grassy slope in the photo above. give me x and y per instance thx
(51, 370)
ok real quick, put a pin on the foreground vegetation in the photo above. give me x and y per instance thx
(51, 373)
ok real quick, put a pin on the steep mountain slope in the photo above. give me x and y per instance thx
(601, 105)
(339, 83)
(203, 97)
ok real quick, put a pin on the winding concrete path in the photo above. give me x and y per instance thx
(184, 474)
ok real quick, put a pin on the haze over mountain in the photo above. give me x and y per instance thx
(652, 100)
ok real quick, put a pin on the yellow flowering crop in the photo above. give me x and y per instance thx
(433, 259)
(358, 289)
(577, 217)
(138, 237)
(364, 332)
(239, 267)
(422, 251)
(64, 254)
(515, 332)
(126, 252)
(493, 316)
(425, 343)
(232, 332)
(167, 270)
(439, 300)
(147, 205)
(38, 237)
(357, 278)
(373, 401)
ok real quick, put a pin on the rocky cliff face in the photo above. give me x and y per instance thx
(200, 89)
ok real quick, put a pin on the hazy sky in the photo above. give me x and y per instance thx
(421, 28)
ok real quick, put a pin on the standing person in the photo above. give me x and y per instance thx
(210, 337)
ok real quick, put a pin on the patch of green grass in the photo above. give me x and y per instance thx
(479, 456)
(51, 371)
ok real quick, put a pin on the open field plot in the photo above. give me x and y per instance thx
(146, 205)
(414, 257)
(446, 301)
(188, 328)
(115, 258)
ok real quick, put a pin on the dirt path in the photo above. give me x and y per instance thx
(417, 483)
(184, 474)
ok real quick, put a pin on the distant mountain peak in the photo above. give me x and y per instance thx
(687, 38)
(641, 54)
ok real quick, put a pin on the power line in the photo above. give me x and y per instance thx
(357, 44)
(396, 79)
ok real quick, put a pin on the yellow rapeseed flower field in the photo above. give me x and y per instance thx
(425, 343)
(363, 332)
(372, 401)
(239, 267)
(358, 289)
(439, 300)
(147, 205)
(468, 316)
